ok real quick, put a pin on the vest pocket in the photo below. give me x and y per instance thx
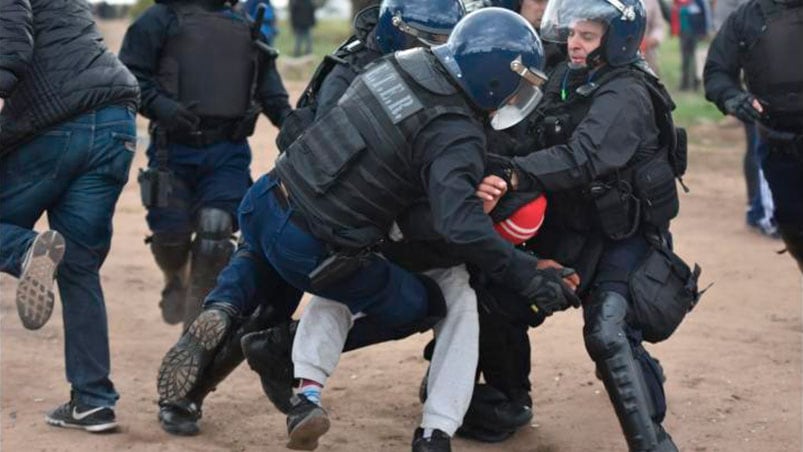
(326, 150)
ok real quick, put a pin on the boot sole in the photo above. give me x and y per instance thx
(184, 362)
(35, 296)
(305, 435)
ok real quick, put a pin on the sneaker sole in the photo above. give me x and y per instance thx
(35, 295)
(182, 364)
(96, 428)
(305, 435)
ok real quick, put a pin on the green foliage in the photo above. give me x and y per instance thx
(692, 107)
(139, 7)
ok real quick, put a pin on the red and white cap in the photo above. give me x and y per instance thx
(524, 223)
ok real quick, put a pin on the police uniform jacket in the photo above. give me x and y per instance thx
(142, 49)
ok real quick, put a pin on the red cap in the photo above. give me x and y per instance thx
(524, 223)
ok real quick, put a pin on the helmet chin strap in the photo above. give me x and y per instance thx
(596, 57)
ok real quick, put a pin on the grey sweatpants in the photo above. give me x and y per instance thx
(325, 324)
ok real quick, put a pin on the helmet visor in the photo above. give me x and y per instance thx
(561, 16)
(518, 106)
(523, 100)
(428, 37)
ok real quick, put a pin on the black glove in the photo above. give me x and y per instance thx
(499, 165)
(741, 106)
(551, 294)
(178, 118)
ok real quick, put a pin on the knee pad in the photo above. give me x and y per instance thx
(170, 250)
(214, 224)
(213, 234)
(604, 329)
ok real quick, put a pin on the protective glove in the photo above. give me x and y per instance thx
(551, 294)
(178, 118)
(741, 106)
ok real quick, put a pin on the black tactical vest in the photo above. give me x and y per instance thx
(351, 173)
(772, 73)
(210, 62)
(583, 209)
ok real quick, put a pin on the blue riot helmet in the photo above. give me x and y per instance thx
(406, 23)
(473, 5)
(625, 22)
(496, 58)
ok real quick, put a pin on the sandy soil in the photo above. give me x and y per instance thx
(733, 367)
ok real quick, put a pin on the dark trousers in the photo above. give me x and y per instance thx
(688, 62)
(216, 176)
(620, 258)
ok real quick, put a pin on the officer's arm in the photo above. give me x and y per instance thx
(141, 51)
(271, 93)
(332, 89)
(452, 167)
(16, 43)
(605, 140)
(722, 66)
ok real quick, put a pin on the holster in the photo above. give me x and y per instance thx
(154, 187)
(618, 210)
(336, 268)
(154, 182)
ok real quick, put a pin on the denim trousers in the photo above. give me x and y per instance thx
(74, 172)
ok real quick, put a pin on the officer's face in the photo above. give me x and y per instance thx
(533, 11)
(584, 37)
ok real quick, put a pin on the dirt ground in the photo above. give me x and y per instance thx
(733, 368)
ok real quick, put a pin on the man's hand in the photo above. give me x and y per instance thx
(490, 191)
(744, 106)
(2, 101)
(570, 277)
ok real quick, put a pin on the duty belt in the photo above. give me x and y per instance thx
(787, 142)
(202, 138)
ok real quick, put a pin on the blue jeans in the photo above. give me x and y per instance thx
(761, 209)
(248, 280)
(216, 177)
(389, 294)
(75, 172)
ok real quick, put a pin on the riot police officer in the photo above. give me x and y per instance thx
(205, 76)
(607, 157)
(252, 292)
(754, 41)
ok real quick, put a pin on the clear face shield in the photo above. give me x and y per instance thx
(429, 38)
(523, 101)
(561, 16)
